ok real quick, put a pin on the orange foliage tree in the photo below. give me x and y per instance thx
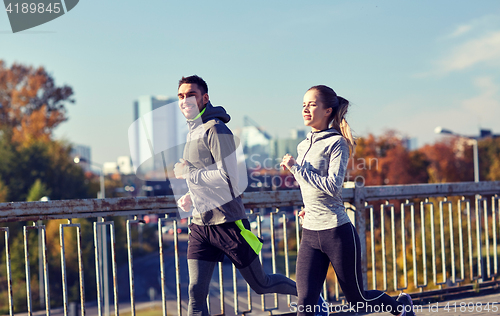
(31, 107)
(31, 104)
(386, 160)
(450, 161)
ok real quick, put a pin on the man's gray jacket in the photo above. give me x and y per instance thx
(213, 176)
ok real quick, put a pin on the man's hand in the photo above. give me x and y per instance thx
(185, 203)
(180, 169)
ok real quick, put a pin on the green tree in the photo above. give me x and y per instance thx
(37, 191)
(31, 107)
(33, 165)
(50, 162)
(489, 159)
(4, 191)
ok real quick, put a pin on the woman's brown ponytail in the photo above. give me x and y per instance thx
(340, 123)
(340, 107)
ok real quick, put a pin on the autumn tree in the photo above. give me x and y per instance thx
(450, 161)
(386, 160)
(31, 105)
(32, 165)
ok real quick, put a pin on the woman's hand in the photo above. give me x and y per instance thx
(287, 162)
(302, 213)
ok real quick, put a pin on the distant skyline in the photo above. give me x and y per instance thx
(408, 66)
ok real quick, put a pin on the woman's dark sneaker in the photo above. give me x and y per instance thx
(405, 299)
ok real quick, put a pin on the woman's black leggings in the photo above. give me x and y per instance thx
(341, 247)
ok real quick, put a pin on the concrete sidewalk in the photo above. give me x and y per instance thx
(488, 304)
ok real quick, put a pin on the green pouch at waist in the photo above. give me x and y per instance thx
(251, 239)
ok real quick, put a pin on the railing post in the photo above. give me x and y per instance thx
(360, 223)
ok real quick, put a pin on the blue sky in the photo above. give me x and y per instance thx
(408, 66)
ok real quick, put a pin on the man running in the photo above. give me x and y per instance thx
(220, 225)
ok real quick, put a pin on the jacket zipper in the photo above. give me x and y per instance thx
(310, 145)
(191, 130)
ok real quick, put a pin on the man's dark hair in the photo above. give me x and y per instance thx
(202, 85)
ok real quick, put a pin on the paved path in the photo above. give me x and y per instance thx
(471, 306)
(468, 306)
(461, 307)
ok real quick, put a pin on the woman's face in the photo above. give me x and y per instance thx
(314, 113)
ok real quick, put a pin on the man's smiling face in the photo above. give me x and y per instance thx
(191, 100)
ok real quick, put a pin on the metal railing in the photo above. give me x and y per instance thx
(457, 245)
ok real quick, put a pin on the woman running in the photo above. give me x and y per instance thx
(328, 235)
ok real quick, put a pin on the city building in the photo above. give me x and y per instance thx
(82, 151)
(485, 133)
(109, 168)
(263, 155)
(283, 146)
(410, 143)
(157, 136)
(125, 165)
(256, 146)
